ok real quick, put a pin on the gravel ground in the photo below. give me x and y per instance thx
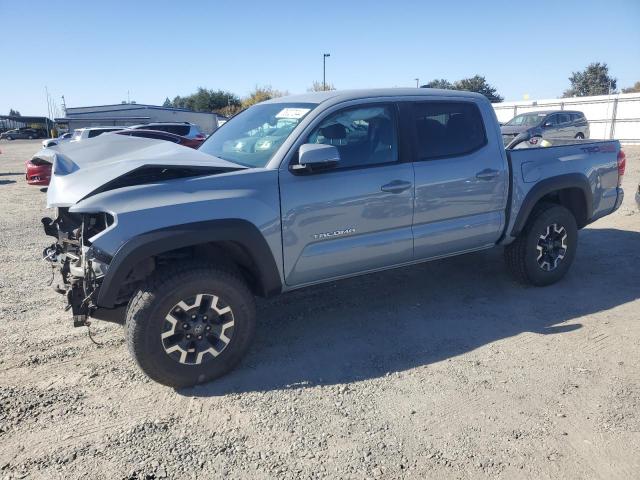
(442, 370)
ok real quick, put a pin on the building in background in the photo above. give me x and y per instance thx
(128, 114)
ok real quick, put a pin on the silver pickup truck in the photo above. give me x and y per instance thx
(175, 243)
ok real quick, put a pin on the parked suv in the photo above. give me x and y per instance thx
(175, 242)
(188, 130)
(553, 124)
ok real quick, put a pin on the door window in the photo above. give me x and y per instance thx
(445, 129)
(563, 118)
(363, 135)
(551, 121)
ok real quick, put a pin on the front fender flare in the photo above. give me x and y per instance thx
(163, 240)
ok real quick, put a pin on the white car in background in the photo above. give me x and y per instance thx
(80, 134)
(51, 142)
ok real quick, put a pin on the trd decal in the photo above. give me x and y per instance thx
(599, 149)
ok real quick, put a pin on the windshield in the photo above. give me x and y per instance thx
(253, 136)
(526, 120)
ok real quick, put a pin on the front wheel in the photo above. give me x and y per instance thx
(190, 324)
(544, 251)
(579, 136)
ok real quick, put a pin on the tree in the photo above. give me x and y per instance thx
(14, 113)
(439, 83)
(634, 89)
(261, 94)
(167, 102)
(319, 87)
(206, 100)
(593, 80)
(476, 84)
(480, 85)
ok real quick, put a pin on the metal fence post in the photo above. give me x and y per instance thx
(613, 118)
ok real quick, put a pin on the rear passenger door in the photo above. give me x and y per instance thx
(565, 126)
(461, 179)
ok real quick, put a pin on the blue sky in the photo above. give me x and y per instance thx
(94, 52)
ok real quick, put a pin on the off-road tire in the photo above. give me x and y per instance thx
(147, 309)
(521, 256)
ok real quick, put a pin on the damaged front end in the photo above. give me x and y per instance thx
(79, 266)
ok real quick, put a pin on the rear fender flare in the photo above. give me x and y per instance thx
(550, 185)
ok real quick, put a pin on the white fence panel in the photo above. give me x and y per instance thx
(609, 116)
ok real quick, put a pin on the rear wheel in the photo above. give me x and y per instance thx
(579, 136)
(190, 324)
(544, 251)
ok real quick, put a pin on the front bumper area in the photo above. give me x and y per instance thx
(78, 274)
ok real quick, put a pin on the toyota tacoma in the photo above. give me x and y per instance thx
(175, 243)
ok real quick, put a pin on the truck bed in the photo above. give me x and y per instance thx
(588, 165)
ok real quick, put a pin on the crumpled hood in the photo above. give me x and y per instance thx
(81, 168)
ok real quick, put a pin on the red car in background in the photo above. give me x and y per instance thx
(39, 170)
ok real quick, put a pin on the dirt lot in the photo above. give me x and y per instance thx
(443, 370)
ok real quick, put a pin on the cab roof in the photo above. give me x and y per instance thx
(346, 95)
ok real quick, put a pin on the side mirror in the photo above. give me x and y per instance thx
(313, 157)
(547, 124)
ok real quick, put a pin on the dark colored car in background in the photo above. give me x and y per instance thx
(162, 135)
(186, 129)
(21, 133)
(550, 124)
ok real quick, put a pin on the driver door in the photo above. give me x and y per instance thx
(356, 216)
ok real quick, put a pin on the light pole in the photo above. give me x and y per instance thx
(324, 70)
(417, 82)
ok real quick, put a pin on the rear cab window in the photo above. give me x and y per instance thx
(447, 129)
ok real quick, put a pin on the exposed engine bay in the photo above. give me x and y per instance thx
(80, 267)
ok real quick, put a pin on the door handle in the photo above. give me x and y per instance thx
(397, 186)
(487, 174)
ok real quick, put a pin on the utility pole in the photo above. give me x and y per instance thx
(64, 106)
(46, 93)
(324, 70)
(417, 82)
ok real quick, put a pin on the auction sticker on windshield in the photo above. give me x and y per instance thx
(292, 113)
